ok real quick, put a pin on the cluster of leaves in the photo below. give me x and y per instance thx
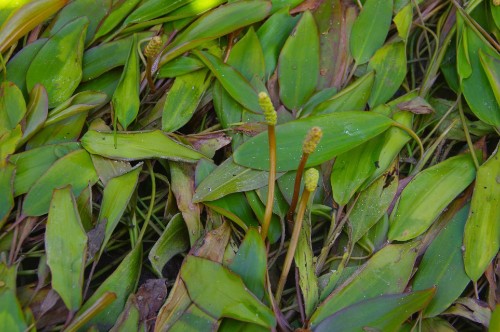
(134, 160)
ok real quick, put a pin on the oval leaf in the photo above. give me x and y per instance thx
(341, 132)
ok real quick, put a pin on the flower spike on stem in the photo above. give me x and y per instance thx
(271, 118)
(311, 178)
(151, 51)
(310, 143)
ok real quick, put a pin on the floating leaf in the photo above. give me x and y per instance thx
(78, 103)
(428, 194)
(36, 112)
(215, 24)
(250, 262)
(174, 240)
(352, 98)
(95, 11)
(389, 64)
(372, 204)
(183, 99)
(115, 198)
(370, 29)
(232, 81)
(229, 178)
(137, 145)
(126, 100)
(12, 106)
(73, 169)
(66, 246)
(122, 282)
(32, 164)
(58, 65)
(298, 68)
(341, 132)
(443, 267)
(383, 313)
(482, 230)
(272, 36)
(24, 19)
(352, 168)
(233, 300)
(117, 14)
(386, 272)
(152, 9)
(475, 85)
(7, 173)
(18, 66)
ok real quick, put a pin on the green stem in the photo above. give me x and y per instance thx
(272, 178)
(467, 134)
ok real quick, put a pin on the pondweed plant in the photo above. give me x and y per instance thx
(200, 165)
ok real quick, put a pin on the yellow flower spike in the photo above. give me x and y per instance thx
(153, 47)
(268, 108)
(496, 2)
(311, 179)
(312, 139)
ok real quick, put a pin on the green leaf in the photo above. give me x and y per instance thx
(24, 19)
(183, 99)
(495, 319)
(32, 164)
(341, 132)
(272, 36)
(115, 198)
(174, 240)
(236, 208)
(443, 267)
(11, 312)
(180, 66)
(8, 141)
(94, 10)
(152, 9)
(233, 300)
(129, 318)
(298, 68)
(8, 7)
(73, 169)
(216, 23)
(229, 178)
(18, 66)
(78, 103)
(370, 29)
(352, 168)
(117, 14)
(389, 64)
(491, 67)
(304, 260)
(182, 185)
(58, 65)
(7, 173)
(247, 56)
(482, 230)
(232, 81)
(352, 98)
(428, 194)
(372, 204)
(36, 112)
(383, 313)
(404, 21)
(126, 100)
(66, 130)
(12, 107)
(66, 247)
(386, 272)
(122, 282)
(250, 262)
(475, 84)
(137, 146)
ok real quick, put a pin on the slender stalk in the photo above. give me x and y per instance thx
(467, 134)
(293, 245)
(105, 300)
(271, 183)
(296, 188)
